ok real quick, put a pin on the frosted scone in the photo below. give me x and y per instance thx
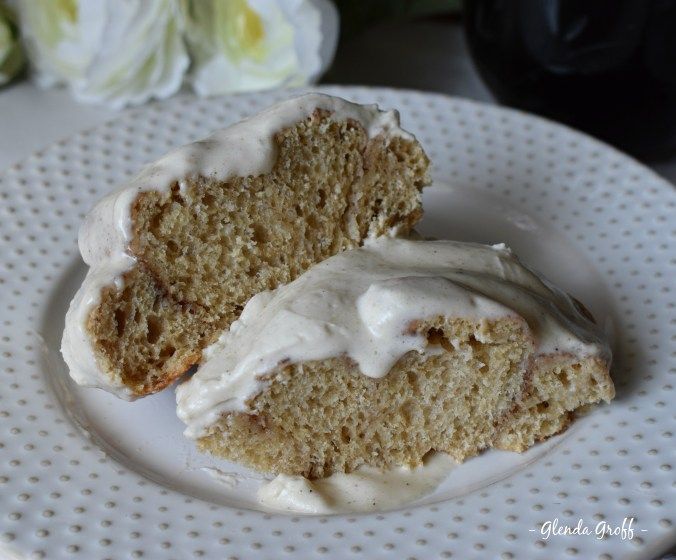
(382, 354)
(175, 254)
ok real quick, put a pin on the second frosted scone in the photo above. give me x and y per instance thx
(382, 354)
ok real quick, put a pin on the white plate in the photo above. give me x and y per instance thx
(83, 474)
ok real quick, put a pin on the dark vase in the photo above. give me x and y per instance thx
(607, 67)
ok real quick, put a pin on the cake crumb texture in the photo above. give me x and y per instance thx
(323, 417)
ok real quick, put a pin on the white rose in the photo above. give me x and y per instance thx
(244, 45)
(11, 54)
(118, 52)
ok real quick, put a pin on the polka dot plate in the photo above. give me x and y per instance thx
(83, 475)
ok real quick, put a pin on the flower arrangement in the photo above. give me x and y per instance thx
(127, 52)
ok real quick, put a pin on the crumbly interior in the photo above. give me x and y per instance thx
(321, 417)
(145, 337)
(560, 385)
(205, 249)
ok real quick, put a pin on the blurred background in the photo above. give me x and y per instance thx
(607, 67)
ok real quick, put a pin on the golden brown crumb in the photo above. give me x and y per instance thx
(323, 417)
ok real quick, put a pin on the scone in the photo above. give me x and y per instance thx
(384, 353)
(177, 252)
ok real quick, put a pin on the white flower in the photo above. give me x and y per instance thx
(243, 45)
(11, 54)
(118, 52)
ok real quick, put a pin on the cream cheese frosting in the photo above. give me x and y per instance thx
(361, 304)
(246, 148)
(365, 490)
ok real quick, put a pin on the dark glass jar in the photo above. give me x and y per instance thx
(607, 67)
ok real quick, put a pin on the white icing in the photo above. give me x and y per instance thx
(361, 304)
(366, 490)
(246, 148)
(243, 149)
(225, 478)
